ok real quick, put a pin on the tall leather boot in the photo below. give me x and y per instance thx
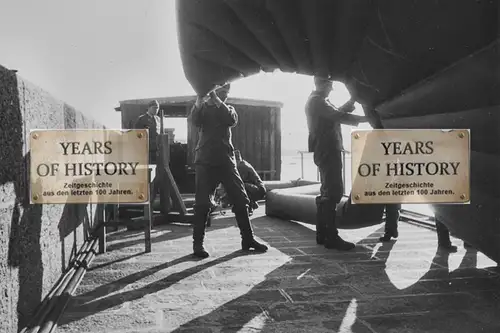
(443, 234)
(247, 239)
(320, 222)
(332, 238)
(392, 213)
(200, 220)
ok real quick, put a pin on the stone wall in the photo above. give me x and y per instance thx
(36, 241)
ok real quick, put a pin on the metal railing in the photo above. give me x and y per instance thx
(344, 154)
(266, 174)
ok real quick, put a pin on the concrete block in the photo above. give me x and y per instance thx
(37, 241)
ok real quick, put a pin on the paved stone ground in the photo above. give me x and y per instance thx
(404, 286)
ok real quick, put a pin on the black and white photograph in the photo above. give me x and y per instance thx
(249, 166)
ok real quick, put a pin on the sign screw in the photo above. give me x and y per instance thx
(140, 135)
(356, 197)
(35, 136)
(35, 197)
(141, 196)
(462, 196)
(356, 136)
(461, 135)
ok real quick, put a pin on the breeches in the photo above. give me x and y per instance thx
(208, 178)
(332, 184)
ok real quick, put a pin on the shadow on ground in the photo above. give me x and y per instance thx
(360, 297)
(315, 290)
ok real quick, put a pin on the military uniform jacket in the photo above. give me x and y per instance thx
(152, 124)
(248, 174)
(325, 134)
(214, 143)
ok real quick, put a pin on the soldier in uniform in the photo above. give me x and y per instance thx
(392, 212)
(215, 163)
(151, 121)
(443, 234)
(391, 229)
(254, 186)
(325, 141)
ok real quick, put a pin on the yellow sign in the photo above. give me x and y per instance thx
(410, 166)
(89, 166)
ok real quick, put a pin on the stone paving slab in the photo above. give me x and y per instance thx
(402, 286)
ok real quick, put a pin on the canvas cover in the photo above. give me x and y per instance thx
(411, 63)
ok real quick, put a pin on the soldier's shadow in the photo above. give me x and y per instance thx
(117, 292)
(332, 291)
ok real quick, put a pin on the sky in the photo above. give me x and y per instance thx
(92, 54)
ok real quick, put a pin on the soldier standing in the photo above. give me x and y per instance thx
(325, 141)
(215, 163)
(151, 121)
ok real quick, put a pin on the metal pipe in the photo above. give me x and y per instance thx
(83, 258)
(301, 165)
(42, 307)
(52, 297)
(63, 299)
